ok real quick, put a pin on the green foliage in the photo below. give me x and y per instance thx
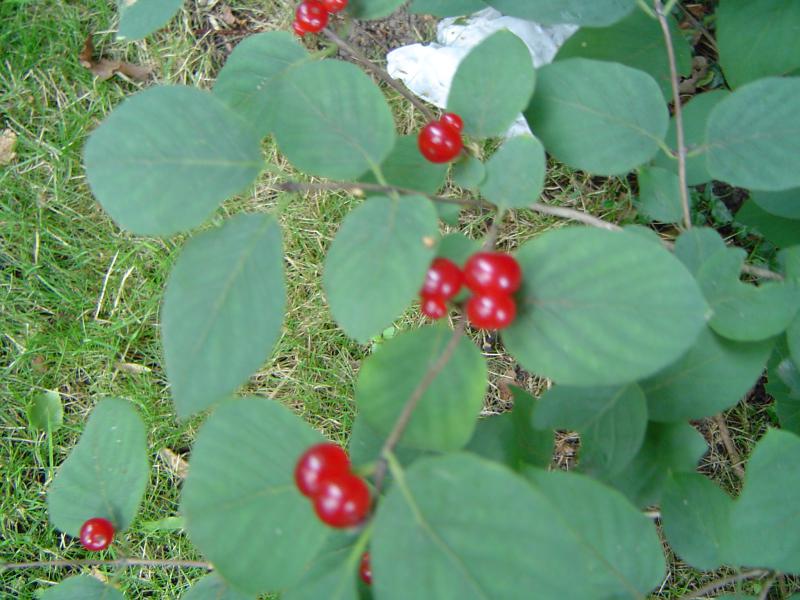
(241, 482)
(659, 195)
(446, 414)
(695, 246)
(230, 280)
(593, 13)
(213, 587)
(405, 167)
(82, 587)
(515, 173)
(250, 80)
(46, 412)
(489, 95)
(778, 230)
(783, 385)
(602, 308)
(469, 173)
(167, 157)
(447, 8)
(139, 18)
(380, 236)
(601, 117)
(332, 575)
(106, 473)
(373, 9)
(784, 204)
(340, 134)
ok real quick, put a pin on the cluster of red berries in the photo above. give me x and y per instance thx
(492, 276)
(440, 141)
(341, 498)
(311, 16)
(97, 534)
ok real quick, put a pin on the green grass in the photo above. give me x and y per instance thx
(79, 299)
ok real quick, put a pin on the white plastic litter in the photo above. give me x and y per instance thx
(428, 70)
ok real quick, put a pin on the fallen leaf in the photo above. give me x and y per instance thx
(105, 68)
(8, 142)
(228, 17)
(174, 463)
(132, 368)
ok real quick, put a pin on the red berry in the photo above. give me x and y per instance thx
(96, 534)
(433, 307)
(317, 463)
(298, 29)
(452, 120)
(334, 6)
(444, 279)
(491, 311)
(365, 569)
(342, 501)
(311, 16)
(492, 272)
(439, 143)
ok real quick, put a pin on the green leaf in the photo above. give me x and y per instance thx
(695, 119)
(711, 377)
(447, 8)
(789, 262)
(139, 18)
(365, 444)
(780, 231)
(601, 117)
(612, 422)
(697, 245)
(332, 575)
(448, 213)
(165, 158)
(340, 125)
(213, 587)
(223, 310)
(601, 308)
(593, 13)
(659, 195)
(695, 514)
(439, 536)
(784, 387)
(373, 9)
(381, 237)
(510, 439)
(752, 135)
(46, 413)
(766, 531)
(250, 80)
(784, 204)
(793, 339)
(636, 41)
(82, 587)
(458, 248)
(469, 173)
(445, 416)
(742, 311)
(405, 167)
(515, 173)
(240, 500)
(492, 85)
(668, 448)
(757, 38)
(105, 474)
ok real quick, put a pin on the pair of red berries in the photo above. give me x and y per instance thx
(440, 141)
(492, 276)
(341, 498)
(311, 16)
(96, 534)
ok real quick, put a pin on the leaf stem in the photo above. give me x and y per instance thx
(380, 73)
(122, 562)
(725, 581)
(676, 100)
(727, 441)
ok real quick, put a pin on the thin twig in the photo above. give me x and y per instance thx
(767, 587)
(411, 404)
(676, 99)
(494, 230)
(725, 581)
(700, 27)
(122, 562)
(381, 73)
(573, 215)
(761, 273)
(332, 186)
(736, 458)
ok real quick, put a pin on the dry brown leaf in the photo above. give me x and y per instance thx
(105, 68)
(228, 17)
(174, 463)
(132, 368)
(8, 142)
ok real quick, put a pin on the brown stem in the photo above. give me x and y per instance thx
(381, 73)
(411, 404)
(720, 583)
(736, 458)
(761, 273)
(676, 99)
(573, 215)
(122, 562)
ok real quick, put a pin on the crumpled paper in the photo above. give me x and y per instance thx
(428, 69)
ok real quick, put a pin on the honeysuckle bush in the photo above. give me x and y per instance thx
(638, 337)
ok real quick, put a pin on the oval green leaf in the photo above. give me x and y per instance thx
(105, 474)
(377, 262)
(593, 13)
(339, 126)
(601, 117)
(447, 8)
(468, 172)
(695, 246)
(46, 413)
(602, 308)
(82, 587)
(223, 310)
(515, 173)
(659, 195)
(213, 587)
(165, 158)
(405, 167)
(780, 231)
(240, 500)
(373, 9)
(492, 85)
(332, 575)
(139, 18)
(784, 204)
